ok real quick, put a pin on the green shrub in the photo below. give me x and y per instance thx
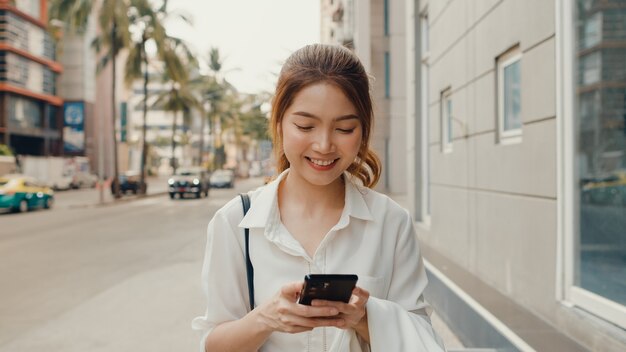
(5, 150)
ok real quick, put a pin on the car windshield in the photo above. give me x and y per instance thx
(187, 172)
(8, 182)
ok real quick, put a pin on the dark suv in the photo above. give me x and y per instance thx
(190, 180)
(129, 181)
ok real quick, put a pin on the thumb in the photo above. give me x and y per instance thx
(292, 289)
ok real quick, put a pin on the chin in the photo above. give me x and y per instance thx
(320, 179)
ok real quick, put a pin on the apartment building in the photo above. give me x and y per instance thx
(30, 108)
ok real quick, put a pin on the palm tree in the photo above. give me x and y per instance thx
(113, 15)
(180, 97)
(149, 27)
(121, 16)
(210, 92)
(215, 65)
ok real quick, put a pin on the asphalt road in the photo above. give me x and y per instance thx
(122, 277)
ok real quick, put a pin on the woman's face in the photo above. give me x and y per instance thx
(321, 133)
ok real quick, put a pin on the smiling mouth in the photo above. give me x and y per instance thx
(322, 163)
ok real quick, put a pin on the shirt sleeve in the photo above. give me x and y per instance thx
(223, 276)
(401, 322)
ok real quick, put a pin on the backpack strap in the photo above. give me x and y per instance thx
(245, 200)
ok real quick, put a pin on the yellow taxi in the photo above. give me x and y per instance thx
(606, 190)
(21, 193)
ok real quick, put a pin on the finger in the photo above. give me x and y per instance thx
(358, 291)
(291, 289)
(313, 311)
(359, 296)
(340, 306)
(299, 321)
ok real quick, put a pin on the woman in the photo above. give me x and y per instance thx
(320, 216)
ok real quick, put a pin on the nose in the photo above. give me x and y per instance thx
(323, 143)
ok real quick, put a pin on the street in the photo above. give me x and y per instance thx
(119, 277)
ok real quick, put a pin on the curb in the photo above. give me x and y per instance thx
(124, 199)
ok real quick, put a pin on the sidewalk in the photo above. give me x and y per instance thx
(450, 340)
(157, 185)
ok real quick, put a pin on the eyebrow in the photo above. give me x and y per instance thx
(339, 118)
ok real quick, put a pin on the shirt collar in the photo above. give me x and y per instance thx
(262, 206)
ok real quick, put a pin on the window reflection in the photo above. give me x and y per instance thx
(601, 147)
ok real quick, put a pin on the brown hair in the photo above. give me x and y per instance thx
(335, 65)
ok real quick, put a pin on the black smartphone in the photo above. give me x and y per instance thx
(329, 287)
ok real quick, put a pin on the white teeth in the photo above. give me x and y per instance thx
(322, 162)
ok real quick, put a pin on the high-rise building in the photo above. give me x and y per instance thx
(30, 108)
(374, 30)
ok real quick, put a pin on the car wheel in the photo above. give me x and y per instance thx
(198, 195)
(23, 206)
(171, 195)
(48, 203)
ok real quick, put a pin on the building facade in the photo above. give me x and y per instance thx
(517, 165)
(502, 127)
(78, 89)
(368, 29)
(30, 107)
(159, 128)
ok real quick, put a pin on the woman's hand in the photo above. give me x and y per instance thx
(353, 313)
(283, 313)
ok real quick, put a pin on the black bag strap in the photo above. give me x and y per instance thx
(245, 200)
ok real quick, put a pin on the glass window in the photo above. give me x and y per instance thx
(600, 149)
(509, 96)
(446, 121)
(387, 76)
(24, 113)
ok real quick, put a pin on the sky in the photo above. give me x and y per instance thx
(254, 36)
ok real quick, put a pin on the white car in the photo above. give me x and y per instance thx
(84, 179)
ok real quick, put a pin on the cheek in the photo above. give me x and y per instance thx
(293, 141)
(354, 144)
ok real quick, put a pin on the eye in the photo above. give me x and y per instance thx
(346, 130)
(304, 128)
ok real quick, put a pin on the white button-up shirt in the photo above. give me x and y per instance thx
(373, 239)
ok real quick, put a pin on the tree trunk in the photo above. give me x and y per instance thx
(201, 152)
(173, 161)
(144, 148)
(116, 181)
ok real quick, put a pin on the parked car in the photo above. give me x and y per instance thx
(21, 193)
(608, 190)
(130, 181)
(223, 179)
(191, 180)
(84, 179)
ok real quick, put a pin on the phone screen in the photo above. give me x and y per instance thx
(329, 287)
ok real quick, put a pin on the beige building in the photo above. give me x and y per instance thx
(512, 161)
(381, 46)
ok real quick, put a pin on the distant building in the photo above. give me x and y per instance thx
(77, 87)
(159, 127)
(30, 106)
(367, 28)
